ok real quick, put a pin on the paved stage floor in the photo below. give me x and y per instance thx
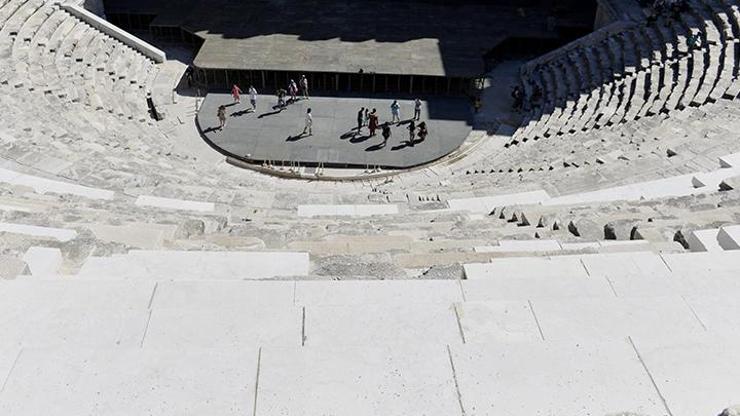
(274, 135)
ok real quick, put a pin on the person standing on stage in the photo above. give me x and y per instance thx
(236, 93)
(395, 112)
(417, 109)
(372, 124)
(422, 132)
(412, 131)
(360, 119)
(386, 131)
(281, 98)
(221, 114)
(293, 91)
(253, 97)
(304, 86)
(309, 123)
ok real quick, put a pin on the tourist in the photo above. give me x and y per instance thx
(360, 118)
(308, 128)
(395, 112)
(236, 93)
(293, 91)
(281, 98)
(221, 114)
(253, 97)
(304, 86)
(417, 109)
(386, 133)
(412, 131)
(372, 123)
(422, 132)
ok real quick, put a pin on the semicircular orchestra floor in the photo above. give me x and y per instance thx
(274, 134)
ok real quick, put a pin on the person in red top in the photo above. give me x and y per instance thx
(372, 125)
(235, 92)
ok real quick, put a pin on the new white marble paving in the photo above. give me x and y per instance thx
(122, 382)
(672, 186)
(55, 313)
(362, 381)
(514, 246)
(43, 185)
(503, 321)
(58, 234)
(175, 204)
(72, 326)
(346, 210)
(631, 274)
(50, 295)
(382, 325)
(203, 294)
(197, 265)
(720, 313)
(705, 264)
(616, 318)
(696, 377)
(239, 327)
(486, 204)
(553, 379)
(533, 287)
(698, 284)
(8, 357)
(519, 267)
(377, 292)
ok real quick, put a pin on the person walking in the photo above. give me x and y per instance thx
(281, 98)
(386, 132)
(417, 109)
(412, 131)
(293, 91)
(304, 86)
(372, 124)
(236, 93)
(308, 127)
(422, 132)
(253, 97)
(360, 119)
(395, 112)
(221, 114)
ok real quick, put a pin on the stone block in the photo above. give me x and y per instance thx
(43, 261)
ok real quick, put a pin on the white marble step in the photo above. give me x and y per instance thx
(729, 237)
(703, 240)
(195, 265)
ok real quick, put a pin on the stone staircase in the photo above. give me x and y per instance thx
(607, 333)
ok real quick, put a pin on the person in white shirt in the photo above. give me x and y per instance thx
(304, 86)
(417, 109)
(253, 97)
(309, 123)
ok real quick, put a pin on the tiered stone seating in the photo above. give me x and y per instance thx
(134, 274)
(631, 71)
